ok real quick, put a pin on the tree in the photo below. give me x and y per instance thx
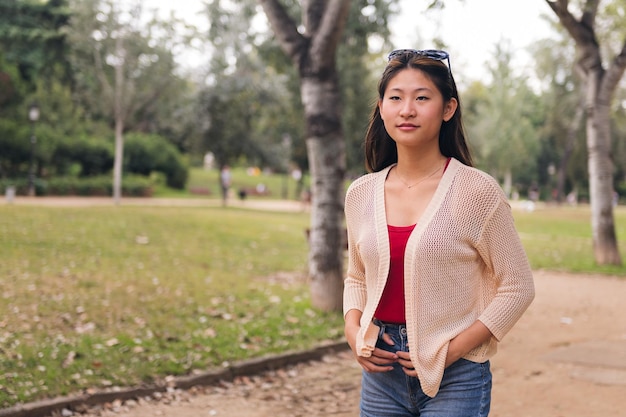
(241, 86)
(502, 123)
(32, 36)
(367, 19)
(131, 65)
(563, 103)
(33, 58)
(312, 50)
(599, 84)
(247, 61)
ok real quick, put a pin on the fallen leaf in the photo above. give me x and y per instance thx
(69, 359)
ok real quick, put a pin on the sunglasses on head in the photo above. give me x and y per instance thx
(435, 54)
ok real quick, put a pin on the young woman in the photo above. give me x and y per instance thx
(437, 274)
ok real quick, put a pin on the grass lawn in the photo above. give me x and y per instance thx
(559, 238)
(110, 296)
(116, 296)
(203, 183)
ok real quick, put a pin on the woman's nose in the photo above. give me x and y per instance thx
(408, 109)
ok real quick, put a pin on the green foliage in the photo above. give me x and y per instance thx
(145, 154)
(561, 136)
(355, 60)
(93, 156)
(132, 186)
(32, 36)
(12, 87)
(503, 128)
(261, 90)
(15, 146)
(75, 164)
(248, 107)
(250, 100)
(145, 88)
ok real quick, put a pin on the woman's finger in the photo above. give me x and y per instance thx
(387, 339)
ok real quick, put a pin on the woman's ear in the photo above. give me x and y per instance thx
(449, 109)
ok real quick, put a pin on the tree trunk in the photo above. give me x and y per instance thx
(508, 183)
(313, 54)
(600, 176)
(569, 148)
(117, 163)
(118, 112)
(599, 88)
(326, 154)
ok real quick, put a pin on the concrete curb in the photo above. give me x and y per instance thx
(45, 408)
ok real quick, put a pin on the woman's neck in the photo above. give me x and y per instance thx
(411, 166)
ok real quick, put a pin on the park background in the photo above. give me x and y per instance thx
(242, 104)
(178, 289)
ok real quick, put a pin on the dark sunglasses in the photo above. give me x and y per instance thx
(435, 54)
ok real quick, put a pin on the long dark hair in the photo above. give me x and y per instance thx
(380, 148)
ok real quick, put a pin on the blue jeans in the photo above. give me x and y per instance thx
(465, 389)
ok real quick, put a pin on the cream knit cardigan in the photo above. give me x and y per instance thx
(463, 262)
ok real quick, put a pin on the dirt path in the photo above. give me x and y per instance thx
(565, 358)
(256, 204)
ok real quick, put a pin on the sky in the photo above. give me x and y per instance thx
(470, 28)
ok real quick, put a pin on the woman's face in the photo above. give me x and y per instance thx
(413, 109)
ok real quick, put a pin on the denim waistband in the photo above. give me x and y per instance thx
(387, 324)
(399, 328)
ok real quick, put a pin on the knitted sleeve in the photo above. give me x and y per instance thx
(501, 249)
(355, 290)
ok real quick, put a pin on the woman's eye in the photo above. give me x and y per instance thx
(393, 98)
(422, 98)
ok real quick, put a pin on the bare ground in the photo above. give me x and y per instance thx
(566, 357)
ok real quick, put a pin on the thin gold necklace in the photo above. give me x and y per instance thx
(420, 181)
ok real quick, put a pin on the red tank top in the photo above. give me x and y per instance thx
(391, 306)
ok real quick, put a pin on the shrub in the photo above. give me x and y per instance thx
(100, 186)
(15, 146)
(145, 154)
(95, 156)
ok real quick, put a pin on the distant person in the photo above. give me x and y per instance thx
(225, 183)
(437, 274)
(305, 198)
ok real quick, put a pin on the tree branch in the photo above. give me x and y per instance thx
(285, 29)
(100, 74)
(312, 12)
(582, 31)
(590, 11)
(614, 73)
(328, 35)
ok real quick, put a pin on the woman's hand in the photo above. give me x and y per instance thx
(380, 360)
(473, 336)
(468, 339)
(404, 359)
